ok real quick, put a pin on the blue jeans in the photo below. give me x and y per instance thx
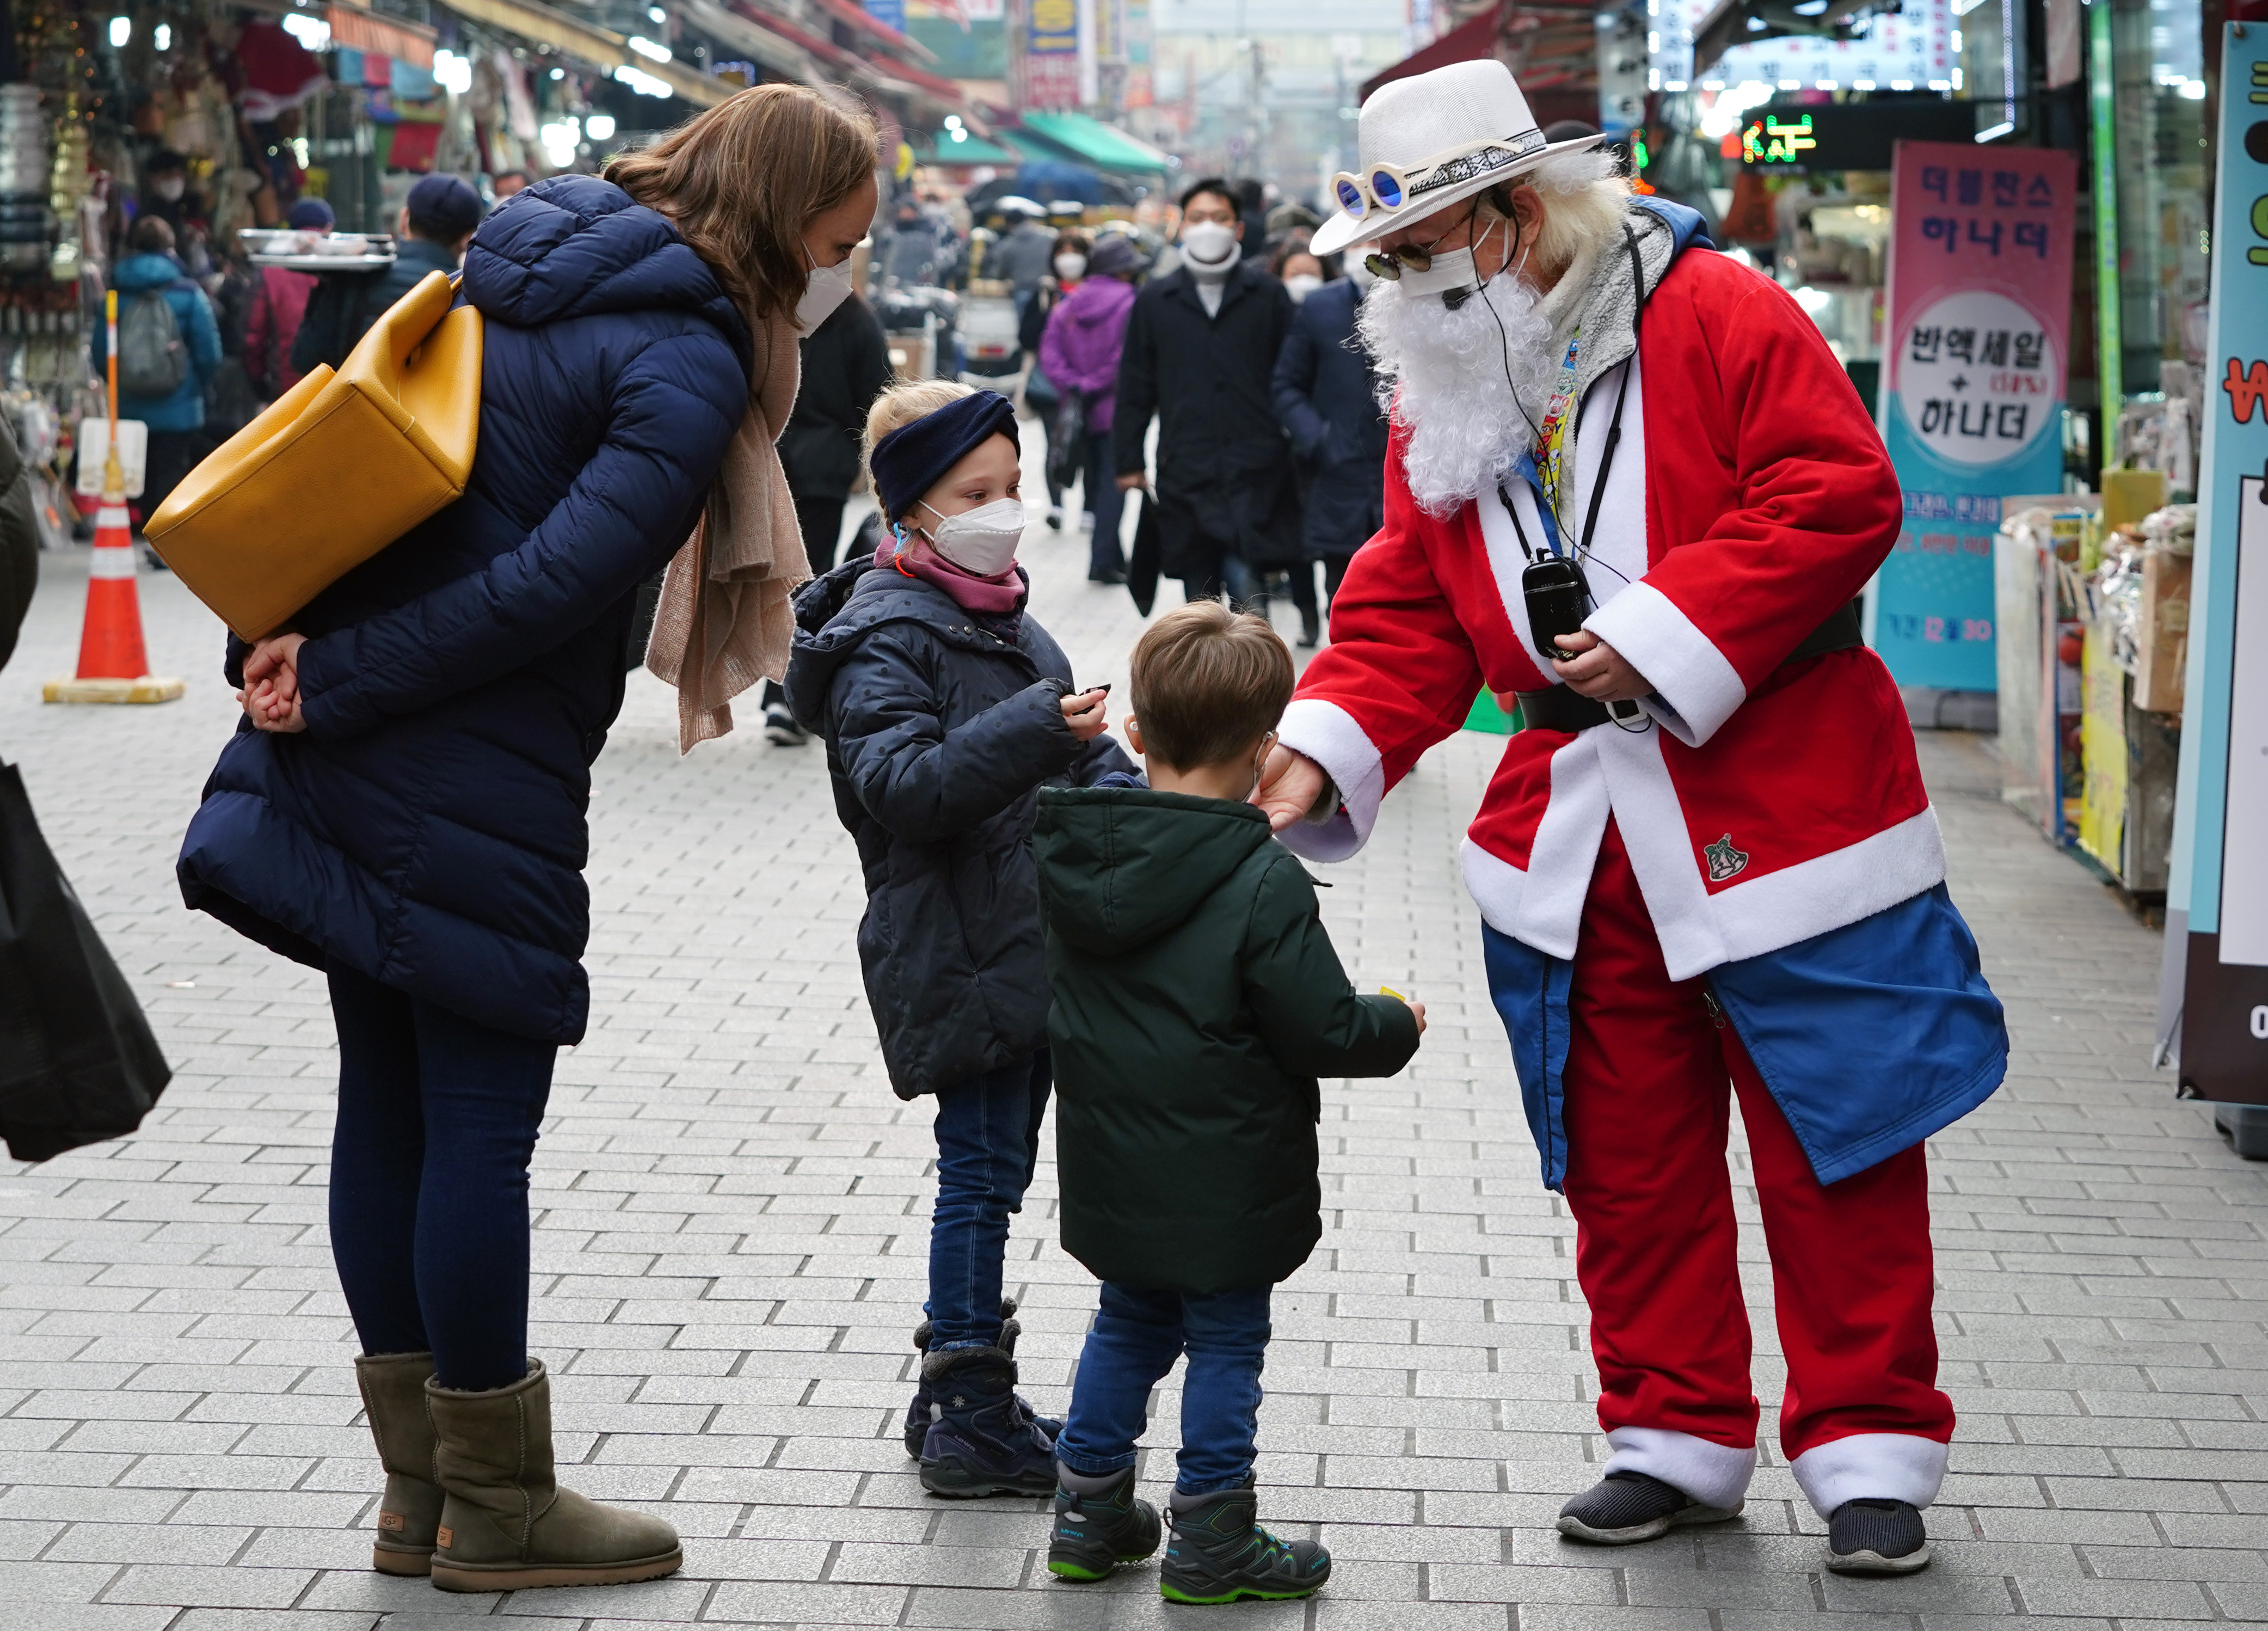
(1105, 553)
(988, 1143)
(1138, 1335)
(437, 1123)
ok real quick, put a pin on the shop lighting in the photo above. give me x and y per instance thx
(952, 121)
(1825, 85)
(1808, 8)
(162, 36)
(1791, 84)
(1675, 85)
(122, 30)
(1653, 79)
(599, 127)
(560, 141)
(1996, 132)
(312, 32)
(640, 81)
(959, 135)
(1901, 85)
(1862, 85)
(452, 72)
(2192, 90)
(655, 14)
(1814, 301)
(558, 73)
(649, 50)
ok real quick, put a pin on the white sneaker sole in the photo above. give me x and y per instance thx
(1871, 1562)
(1576, 1529)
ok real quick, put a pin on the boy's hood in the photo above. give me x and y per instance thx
(1119, 866)
(146, 271)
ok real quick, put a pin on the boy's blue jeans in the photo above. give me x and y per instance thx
(1137, 1337)
(988, 1143)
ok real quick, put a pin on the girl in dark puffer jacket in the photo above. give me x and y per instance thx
(946, 707)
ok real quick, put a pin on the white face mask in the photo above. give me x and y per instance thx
(1209, 247)
(982, 539)
(1452, 269)
(1071, 267)
(1300, 286)
(826, 288)
(172, 187)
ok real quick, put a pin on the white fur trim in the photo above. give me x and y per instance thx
(1505, 563)
(1497, 887)
(1869, 1466)
(1716, 1475)
(1653, 831)
(1831, 890)
(1328, 734)
(1565, 850)
(1692, 675)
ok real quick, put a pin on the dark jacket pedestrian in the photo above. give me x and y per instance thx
(430, 236)
(175, 421)
(1327, 398)
(941, 730)
(1197, 999)
(1225, 485)
(846, 362)
(1079, 351)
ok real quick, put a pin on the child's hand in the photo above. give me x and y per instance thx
(1418, 1009)
(1084, 713)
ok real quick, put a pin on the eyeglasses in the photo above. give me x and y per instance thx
(1387, 187)
(1388, 263)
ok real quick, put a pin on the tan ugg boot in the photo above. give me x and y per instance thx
(506, 1525)
(394, 1397)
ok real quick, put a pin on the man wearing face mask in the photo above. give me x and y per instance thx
(1200, 348)
(166, 192)
(1627, 481)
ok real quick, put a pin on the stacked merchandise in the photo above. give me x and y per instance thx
(25, 181)
(2037, 589)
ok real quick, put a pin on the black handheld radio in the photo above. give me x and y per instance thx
(1558, 599)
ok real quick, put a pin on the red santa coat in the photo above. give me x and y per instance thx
(1749, 498)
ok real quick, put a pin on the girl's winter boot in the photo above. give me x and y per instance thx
(919, 1414)
(1220, 1554)
(506, 1524)
(393, 1397)
(1097, 1531)
(981, 1443)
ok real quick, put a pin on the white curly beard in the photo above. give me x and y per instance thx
(1442, 374)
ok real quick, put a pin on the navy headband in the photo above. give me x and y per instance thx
(914, 457)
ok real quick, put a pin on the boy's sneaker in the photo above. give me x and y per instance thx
(920, 1415)
(1220, 1554)
(980, 1443)
(1094, 1533)
(1876, 1537)
(780, 729)
(1625, 1507)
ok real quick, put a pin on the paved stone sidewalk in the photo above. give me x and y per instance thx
(732, 1213)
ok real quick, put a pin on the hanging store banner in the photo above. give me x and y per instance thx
(2212, 1003)
(1049, 48)
(1975, 324)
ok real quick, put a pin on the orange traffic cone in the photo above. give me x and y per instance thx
(114, 665)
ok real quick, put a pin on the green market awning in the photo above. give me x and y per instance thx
(971, 149)
(1091, 142)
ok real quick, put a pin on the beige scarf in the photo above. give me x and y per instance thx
(724, 620)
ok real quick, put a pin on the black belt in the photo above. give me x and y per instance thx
(1558, 708)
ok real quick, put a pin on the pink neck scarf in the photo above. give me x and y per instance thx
(989, 597)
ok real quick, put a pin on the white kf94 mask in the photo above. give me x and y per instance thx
(982, 539)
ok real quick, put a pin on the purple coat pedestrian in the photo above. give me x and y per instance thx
(1080, 346)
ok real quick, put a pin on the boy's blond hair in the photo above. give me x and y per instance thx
(900, 405)
(1208, 681)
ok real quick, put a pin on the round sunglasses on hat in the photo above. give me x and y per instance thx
(1387, 187)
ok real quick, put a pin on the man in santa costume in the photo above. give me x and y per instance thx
(1708, 861)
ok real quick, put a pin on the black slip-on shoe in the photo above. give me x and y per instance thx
(781, 730)
(1876, 1537)
(1622, 1509)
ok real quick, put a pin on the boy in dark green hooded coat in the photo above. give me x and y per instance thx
(1197, 1000)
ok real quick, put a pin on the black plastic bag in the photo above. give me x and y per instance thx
(78, 1063)
(1142, 565)
(1067, 447)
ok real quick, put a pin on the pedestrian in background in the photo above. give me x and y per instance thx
(946, 708)
(436, 223)
(403, 806)
(168, 347)
(1327, 398)
(279, 302)
(1081, 352)
(1197, 1000)
(1200, 350)
(846, 362)
(1040, 393)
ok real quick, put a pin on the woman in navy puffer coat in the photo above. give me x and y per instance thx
(422, 839)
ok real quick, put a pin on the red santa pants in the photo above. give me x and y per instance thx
(1655, 1245)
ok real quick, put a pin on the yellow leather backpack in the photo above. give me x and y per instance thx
(339, 467)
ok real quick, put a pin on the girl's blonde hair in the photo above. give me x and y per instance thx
(900, 405)
(742, 179)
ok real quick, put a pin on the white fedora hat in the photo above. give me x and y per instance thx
(1431, 140)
